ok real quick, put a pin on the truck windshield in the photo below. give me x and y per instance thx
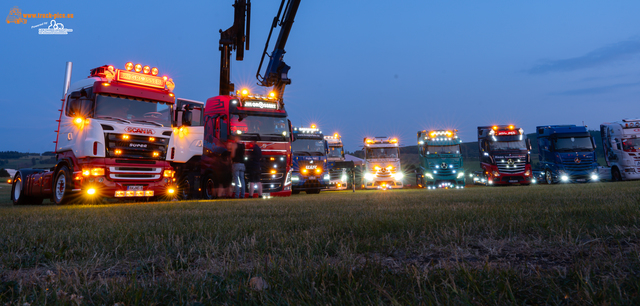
(573, 144)
(310, 146)
(508, 145)
(382, 153)
(443, 149)
(632, 144)
(335, 152)
(113, 107)
(252, 127)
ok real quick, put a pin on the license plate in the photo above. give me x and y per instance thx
(312, 177)
(266, 194)
(581, 180)
(513, 181)
(134, 188)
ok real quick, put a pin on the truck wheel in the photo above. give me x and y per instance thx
(615, 175)
(548, 177)
(185, 189)
(209, 187)
(17, 191)
(62, 186)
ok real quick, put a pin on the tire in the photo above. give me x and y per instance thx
(17, 191)
(185, 189)
(295, 191)
(208, 189)
(62, 186)
(548, 177)
(615, 175)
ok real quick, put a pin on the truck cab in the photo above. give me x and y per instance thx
(621, 143)
(254, 120)
(186, 146)
(505, 155)
(383, 169)
(338, 176)
(440, 160)
(309, 151)
(567, 154)
(112, 139)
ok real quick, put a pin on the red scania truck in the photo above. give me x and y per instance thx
(505, 155)
(112, 138)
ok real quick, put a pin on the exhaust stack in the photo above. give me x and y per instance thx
(67, 79)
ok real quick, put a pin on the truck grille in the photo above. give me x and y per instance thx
(335, 174)
(136, 146)
(450, 169)
(511, 165)
(571, 165)
(134, 173)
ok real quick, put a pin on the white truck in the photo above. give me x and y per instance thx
(621, 143)
(335, 153)
(382, 163)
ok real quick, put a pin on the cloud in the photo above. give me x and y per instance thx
(620, 51)
(595, 90)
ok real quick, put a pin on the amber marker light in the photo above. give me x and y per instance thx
(91, 191)
(171, 191)
(125, 137)
(138, 68)
(304, 171)
(106, 84)
(244, 92)
(272, 94)
(313, 126)
(128, 66)
(118, 152)
(318, 170)
(152, 139)
(146, 69)
(495, 127)
(154, 71)
(156, 154)
(335, 135)
(511, 127)
(273, 171)
(9, 181)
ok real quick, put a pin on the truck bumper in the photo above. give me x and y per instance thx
(128, 190)
(390, 184)
(510, 179)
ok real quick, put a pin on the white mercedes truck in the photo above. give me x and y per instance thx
(621, 143)
(382, 163)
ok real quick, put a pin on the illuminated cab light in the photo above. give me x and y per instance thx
(119, 194)
(128, 66)
(244, 92)
(304, 171)
(272, 94)
(110, 68)
(170, 84)
(148, 193)
(390, 168)
(495, 127)
(273, 171)
(318, 170)
(313, 126)
(335, 135)
(78, 121)
(86, 172)
(168, 173)
(91, 191)
(146, 69)
(139, 193)
(272, 158)
(106, 84)
(171, 191)
(118, 152)
(125, 137)
(511, 127)
(97, 171)
(156, 154)
(137, 68)
(154, 71)
(377, 168)
(129, 193)
(171, 94)
(9, 181)
(152, 139)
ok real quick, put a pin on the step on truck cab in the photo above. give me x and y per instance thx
(186, 147)
(505, 155)
(440, 160)
(382, 163)
(309, 151)
(338, 176)
(251, 119)
(567, 154)
(112, 138)
(621, 143)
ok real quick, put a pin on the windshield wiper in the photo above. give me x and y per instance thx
(152, 122)
(252, 134)
(113, 118)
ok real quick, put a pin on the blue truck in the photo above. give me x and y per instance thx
(309, 150)
(567, 154)
(440, 160)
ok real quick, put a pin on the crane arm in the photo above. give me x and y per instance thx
(234, 38)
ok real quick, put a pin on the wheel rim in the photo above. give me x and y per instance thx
(616, 175)
(17, 189)
(549, 177)
(61, 185)
(209, 188)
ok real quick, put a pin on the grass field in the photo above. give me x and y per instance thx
(560, 244)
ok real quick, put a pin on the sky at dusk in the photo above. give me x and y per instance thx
(359, 68)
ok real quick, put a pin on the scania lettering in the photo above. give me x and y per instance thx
(505, 155)
(440, 160)
(382, 163)
(338, 176)
(309, 160)
(567, 154)
(621, 143)
(112, 138)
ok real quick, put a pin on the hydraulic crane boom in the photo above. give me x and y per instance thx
(276, 73)
(234, 38)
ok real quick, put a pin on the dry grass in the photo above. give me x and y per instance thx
(561, 244)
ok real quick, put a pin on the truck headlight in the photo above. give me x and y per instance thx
(326, 177)
(564, 178)
(461, 174)
(368, 176)
(496, 173)
(527, 173)
(295, 178)
(594, 177)
(429, 175)
(343, 178)
(399, 176)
